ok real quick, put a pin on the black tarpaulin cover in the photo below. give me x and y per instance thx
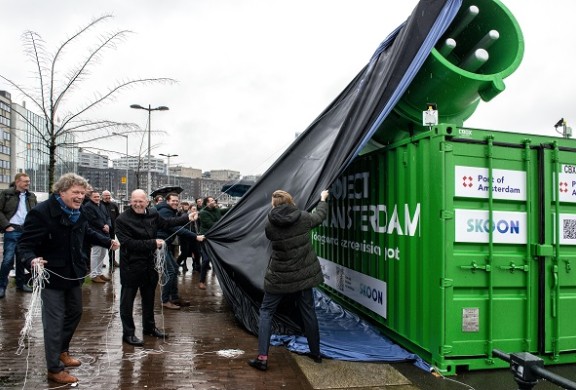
(237, 244)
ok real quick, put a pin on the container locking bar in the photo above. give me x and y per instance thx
(475, 267)
(513, 267)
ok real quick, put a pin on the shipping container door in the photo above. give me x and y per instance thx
(489, 269)
(556, 252)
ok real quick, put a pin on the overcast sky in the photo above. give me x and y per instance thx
(253, 73)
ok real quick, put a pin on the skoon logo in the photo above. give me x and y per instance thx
(372, 293)
(503, 226)
(467, 181)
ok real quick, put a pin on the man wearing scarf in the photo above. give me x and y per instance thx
(53, 235)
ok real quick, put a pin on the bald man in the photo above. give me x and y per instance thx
(137, 229)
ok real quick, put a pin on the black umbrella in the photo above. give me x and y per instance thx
(163, 191)
(237, 189)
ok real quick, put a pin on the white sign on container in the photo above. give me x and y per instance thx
(363, 289)
(508, 227)
(473, 182)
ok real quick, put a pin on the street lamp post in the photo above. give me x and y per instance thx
(168, 155)
(149, 109)
(125, 136)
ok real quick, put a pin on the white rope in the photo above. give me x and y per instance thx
(159, 260)
(39, 277)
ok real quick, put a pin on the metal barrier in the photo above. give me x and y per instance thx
(528, 369)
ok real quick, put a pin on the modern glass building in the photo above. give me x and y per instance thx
(5, 136)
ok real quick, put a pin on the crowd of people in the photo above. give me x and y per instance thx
(75, 235)
(79, 231)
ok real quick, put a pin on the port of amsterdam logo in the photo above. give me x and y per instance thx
(467, 181)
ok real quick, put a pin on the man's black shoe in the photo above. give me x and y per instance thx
(25, 288)
(156, 333)
(316, 358)
(2, 292)
(133, 340)
(258, 364)
(181, 303)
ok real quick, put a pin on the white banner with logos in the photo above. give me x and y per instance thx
(473, 182)
(566, 187)
(363, 289)
(508, 227)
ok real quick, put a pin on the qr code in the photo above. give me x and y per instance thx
(569, 231)
(340, 278)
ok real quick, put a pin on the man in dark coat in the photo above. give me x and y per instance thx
(99, 220)
(208, 216)
(189, 247)
(113, 212)
(137, 230)
(293, 270)
(52, 238)
(15, 203)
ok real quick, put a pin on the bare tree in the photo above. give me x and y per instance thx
(55, 83)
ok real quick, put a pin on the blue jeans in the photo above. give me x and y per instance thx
(170, 280)
(305, 301)
(10, 241)
(204, 265)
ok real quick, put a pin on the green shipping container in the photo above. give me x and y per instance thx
(457, 241)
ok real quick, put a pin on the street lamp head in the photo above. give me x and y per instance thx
(159, 108)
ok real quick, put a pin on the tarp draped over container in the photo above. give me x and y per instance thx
(236, 244)
(346, 336)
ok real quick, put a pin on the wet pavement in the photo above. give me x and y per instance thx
(206, 349)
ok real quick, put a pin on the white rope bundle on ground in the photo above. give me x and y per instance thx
(39, 278)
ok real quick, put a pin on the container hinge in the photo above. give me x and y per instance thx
(447, 214)
(445, 282)
(445, 349)
(513, 267)
(475, 267)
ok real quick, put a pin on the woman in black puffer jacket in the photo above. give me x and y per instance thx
(293, 270)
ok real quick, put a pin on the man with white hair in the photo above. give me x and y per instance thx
(53, 235)
(137, 229)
